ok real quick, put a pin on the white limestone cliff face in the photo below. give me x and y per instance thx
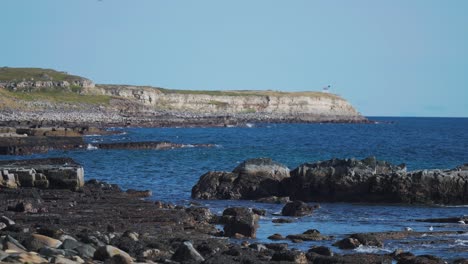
(303, 103)
(21, 85)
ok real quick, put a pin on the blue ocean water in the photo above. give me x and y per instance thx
(421, 143)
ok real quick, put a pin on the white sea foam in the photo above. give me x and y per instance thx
(370, 249)
(91, 147)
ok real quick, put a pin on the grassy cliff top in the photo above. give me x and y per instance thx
(223, 92)
(247, 93)
(37, 74)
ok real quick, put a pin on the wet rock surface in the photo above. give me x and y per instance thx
(100, 222)
(298, 208)
(252, 179)
(339, 180)
(239, 221)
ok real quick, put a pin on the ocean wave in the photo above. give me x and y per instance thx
(371, 249)
(91, 147)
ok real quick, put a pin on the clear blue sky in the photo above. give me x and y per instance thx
(392, 57)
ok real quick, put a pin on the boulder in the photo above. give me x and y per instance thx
(282, 220)
(290, 256)
(200, 214)
(367, 240)
(423, 259)
(57, 173)
(321, 250)
(309, 235)
(276, 237)
(347, 243)
(107, 252)
(239, 220)
(274, 200)
(187, 253)
(252, 179)
(28, 257)
(355, 240)
(277, 246)
(297, 208)
(216, 185)
(36, 242)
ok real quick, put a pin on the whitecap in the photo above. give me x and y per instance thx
(91, 147)
(370, 249)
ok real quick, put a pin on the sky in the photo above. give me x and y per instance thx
(387, 57)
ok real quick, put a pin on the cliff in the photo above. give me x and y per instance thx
(30, 94)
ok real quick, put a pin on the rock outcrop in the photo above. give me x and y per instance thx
(148, 145)
(253, 179)
(30, 145)
(239, 221)
(55, 173)
(370, 180)
(343, 180)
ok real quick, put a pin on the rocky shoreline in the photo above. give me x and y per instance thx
(27, 141)
(98, 222)
(159, 118)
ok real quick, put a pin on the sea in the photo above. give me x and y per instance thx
(420, 143)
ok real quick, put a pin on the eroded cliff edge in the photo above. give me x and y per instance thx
(47, 96)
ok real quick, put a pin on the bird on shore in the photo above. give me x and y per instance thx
(408, 229)
(431, 228)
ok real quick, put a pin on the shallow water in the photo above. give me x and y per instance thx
(421, 143)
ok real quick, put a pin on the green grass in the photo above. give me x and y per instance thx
(218, 103)
(38, 74)
(246, 93)
(56, 96)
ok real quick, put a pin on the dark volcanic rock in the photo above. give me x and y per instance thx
(370, 180)
(290, 255)
(253, 179)
(321, 250)
(355, 240)
(461, 220)
(309, 235)
(147, 145)
(347, 243)
(282, 221)
(138, 193)
(423, 259)
(273, 199)
(186, 252)
(239, 220)
(276, 237)
(31, 145)
(349, 259)
(297, 208)
(216, 185)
